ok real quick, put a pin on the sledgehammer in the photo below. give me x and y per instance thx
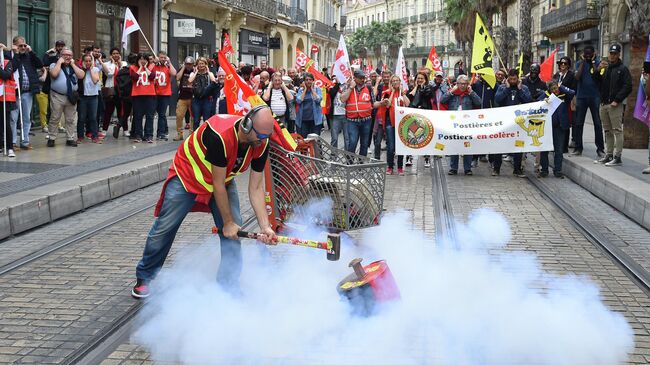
(332, 246)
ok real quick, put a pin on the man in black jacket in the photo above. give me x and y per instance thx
(535, 85)
(512, 92)
(614, 84)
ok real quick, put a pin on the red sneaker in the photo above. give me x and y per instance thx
(400, 172)
(140, 289)
(389, 171)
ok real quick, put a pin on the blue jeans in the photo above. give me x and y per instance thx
(87, 116)
(558, 146)
(338, 125)
(390, 147)
(143, 105)
(308, 127)
(593, 104)
(176, 204)
(467, 162)
(26, 99)
(162, 103)
(358, 133)
(201, 108)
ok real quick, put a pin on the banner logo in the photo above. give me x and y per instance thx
(415, 131)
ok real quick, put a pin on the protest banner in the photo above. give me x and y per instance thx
(519, 128)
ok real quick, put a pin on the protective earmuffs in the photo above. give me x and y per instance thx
(247, 123)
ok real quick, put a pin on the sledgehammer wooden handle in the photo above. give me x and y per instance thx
(332, 245)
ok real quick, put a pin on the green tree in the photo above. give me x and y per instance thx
(506, 41)
(461, 15)
(372, 37)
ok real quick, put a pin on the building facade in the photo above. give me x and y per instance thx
(260, 30)
(425, 26)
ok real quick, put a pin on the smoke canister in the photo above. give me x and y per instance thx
(368, 286)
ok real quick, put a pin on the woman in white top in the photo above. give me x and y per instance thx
(111, 100)
(88, 100)
(278, 97)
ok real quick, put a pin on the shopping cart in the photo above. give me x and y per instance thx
(316, 170)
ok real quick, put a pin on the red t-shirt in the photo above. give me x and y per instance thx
(142, 85)
(163, 81)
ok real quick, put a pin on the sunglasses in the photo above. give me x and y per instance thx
(563, 63)
(261, 136)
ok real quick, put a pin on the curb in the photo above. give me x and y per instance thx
(31, 209)
(626, 196)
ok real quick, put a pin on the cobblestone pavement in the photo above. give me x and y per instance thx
(35, 240)
(540, 227)
(54, 305)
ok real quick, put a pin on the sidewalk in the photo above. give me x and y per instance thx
(44, 184)
(623, 187)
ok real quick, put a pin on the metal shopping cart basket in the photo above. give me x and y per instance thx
(316, 170)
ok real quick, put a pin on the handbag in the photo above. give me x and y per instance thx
(108, 92)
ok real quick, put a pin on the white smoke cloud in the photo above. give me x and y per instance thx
(459, 305)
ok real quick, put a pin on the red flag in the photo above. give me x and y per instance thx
(302, 60)
(240, 98)
(546, 68)
(227, 45)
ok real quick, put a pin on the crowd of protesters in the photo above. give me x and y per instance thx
(83, 96)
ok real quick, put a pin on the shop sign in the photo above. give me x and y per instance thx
(185, 28)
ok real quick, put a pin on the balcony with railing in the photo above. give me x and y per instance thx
(323, 30)
(264, 8)
(574, 17)
(416, 51)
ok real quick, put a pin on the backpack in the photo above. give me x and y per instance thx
(123, 82)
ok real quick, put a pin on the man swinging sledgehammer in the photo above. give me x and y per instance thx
(201, 178)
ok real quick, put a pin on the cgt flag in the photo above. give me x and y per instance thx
(240, 99)
(546, 68)
(433, 62)
(306, 63)
(341, 67)
(130, 25)
(227, 45)
(642, 106)
(482, 52)
(400, 70)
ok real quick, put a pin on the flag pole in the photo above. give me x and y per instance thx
(500, 59)
(148, 44)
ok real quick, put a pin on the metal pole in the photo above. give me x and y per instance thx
(4, 107)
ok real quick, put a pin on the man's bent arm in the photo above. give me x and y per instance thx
(256, 196)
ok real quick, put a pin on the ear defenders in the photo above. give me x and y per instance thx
(247, 122)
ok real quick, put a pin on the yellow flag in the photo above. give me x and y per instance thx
(482, 52)
(520, 64)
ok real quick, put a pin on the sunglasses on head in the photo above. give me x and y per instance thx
(259, 135)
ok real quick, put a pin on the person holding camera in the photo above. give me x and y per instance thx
(587, 97)
(64, 96)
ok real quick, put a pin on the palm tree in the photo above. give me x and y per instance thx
(636, 133)
(460, 15)
(525, 41)
(393, 32)
(505, 32)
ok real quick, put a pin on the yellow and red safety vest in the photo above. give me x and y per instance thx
(195, 172)
(9, 88)
(359, 104)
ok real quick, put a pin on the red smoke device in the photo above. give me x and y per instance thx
(368, 286)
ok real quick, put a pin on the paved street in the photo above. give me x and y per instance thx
(50, 308)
